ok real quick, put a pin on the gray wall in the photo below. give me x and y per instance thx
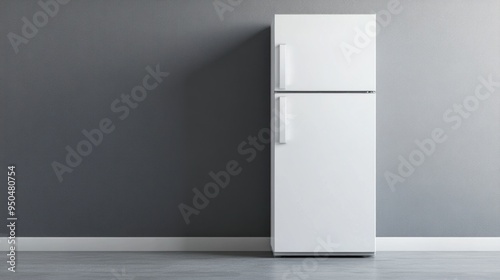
(65, 78)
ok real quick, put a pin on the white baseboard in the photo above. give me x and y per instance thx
(234, 244)
(438, 244)
(139, 244)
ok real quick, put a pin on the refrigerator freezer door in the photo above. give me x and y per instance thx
(324, 52)
(324, 174)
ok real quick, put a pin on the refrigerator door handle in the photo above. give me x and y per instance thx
(282, 120)
(282, 67)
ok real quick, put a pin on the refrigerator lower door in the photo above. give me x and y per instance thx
(323, 157)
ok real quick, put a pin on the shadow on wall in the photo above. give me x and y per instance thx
(227, 101)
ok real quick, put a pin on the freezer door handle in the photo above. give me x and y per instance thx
(282, 67)
(282, 120)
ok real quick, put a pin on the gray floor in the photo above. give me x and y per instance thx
(234, 265)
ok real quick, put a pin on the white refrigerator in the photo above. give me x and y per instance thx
(323, 140)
